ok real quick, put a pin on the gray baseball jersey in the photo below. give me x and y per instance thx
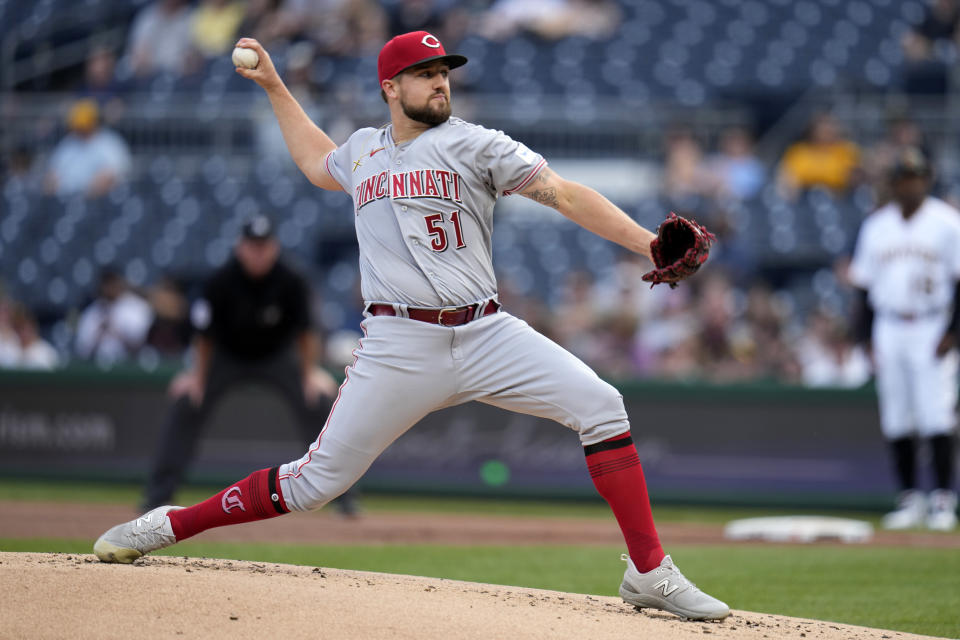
(424, 218)
(424, 209)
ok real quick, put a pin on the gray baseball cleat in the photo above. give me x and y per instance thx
(667, 589)
(126, 542)
(943, 510)
(911, 511)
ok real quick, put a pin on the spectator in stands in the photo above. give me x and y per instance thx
(160, 39)
(760, 338)
(90, 159)
(551, 19)
(668, 337)
(827, 357)
(9, 342)
(301, 58)
(254, 326)
(114, 326)
(630, 319)
(823, 159)
(213, 26)
(417, 15)
(100, 83)
(734, 168)
(337, 27)
(21, 173)
(170, 331)
(258, 19)
(929, 48)
(686, 178)
(722, 352)
(576, 314)
(35, 352)
(445, 19)
(616, 350)
(99, 75)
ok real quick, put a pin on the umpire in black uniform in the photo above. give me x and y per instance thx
(253, 325)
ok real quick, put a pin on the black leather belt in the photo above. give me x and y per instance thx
(446, 317)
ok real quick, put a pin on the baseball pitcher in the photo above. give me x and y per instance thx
(435, 335)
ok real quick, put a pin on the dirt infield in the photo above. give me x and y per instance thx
(59, 595)
(23, 519)
(75, 596)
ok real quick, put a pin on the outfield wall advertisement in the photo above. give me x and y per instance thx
(753, 443)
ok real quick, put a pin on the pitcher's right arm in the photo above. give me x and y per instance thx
(307, 143)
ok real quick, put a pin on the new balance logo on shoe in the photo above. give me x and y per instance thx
(145, 519)
(665, 587)
(231, 500)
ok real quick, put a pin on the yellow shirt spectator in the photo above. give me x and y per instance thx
(823, 159)
(214, 26)
(829, 165)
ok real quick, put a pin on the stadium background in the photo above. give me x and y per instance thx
(684, 106)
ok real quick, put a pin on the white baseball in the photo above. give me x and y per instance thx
(246, 58)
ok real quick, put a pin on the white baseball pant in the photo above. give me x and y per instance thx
(917, 391)
(405, 369)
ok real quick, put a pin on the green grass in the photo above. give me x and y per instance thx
(905, 589)
(126, 493)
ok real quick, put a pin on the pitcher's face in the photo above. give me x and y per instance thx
(424, 92)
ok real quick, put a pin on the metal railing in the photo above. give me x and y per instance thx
(240, 126)
(235, 125)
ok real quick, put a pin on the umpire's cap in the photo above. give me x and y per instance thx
(258, 227)
(409, 49)
(910, 162)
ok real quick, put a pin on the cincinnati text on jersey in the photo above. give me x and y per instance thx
(422, 183)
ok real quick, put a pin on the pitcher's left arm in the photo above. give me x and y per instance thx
(590, 210)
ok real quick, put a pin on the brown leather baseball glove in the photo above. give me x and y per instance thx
(679, 249)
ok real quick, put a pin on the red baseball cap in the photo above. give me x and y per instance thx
(410, 49)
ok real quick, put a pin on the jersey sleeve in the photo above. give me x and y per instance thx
(506, 165)
(338, 162)
(861, 266)
(332, 165)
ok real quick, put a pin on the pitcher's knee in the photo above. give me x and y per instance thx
(607, 416)
(327, 470)
(604, 431)
(609, 395)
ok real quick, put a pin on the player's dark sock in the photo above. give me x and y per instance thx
(616, 472)
(256, 497)
(905, 461)
(942, 450)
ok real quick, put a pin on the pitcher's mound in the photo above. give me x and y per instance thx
(76, 596)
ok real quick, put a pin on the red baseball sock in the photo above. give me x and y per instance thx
(616, 472)
(256, 497)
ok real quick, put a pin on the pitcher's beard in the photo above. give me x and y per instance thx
(426, 114)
